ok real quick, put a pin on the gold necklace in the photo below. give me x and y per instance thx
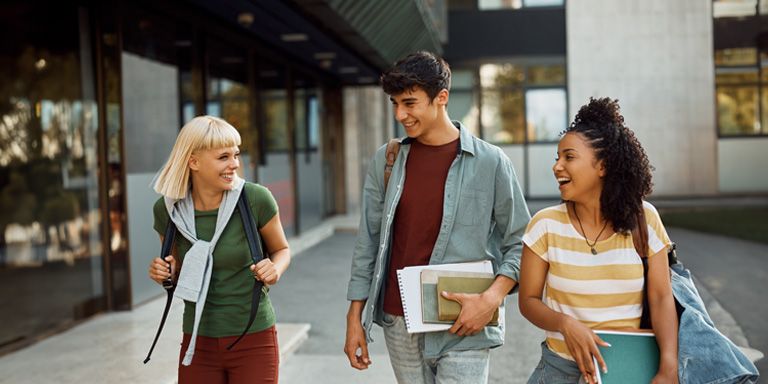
(591, 246)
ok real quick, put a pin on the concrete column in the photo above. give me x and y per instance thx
(655, 56)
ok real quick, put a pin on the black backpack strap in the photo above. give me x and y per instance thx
(169, 284)
(254, 244)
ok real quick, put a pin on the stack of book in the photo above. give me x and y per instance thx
(420, 286)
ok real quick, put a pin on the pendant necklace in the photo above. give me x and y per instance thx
(591, 246)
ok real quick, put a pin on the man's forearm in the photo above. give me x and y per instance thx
(355, 311)
(500, 288)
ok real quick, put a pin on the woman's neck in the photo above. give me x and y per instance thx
(206, 200)
(589, 212)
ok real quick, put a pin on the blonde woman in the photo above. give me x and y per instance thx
(200, 188)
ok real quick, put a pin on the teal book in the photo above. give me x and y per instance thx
(632, 358)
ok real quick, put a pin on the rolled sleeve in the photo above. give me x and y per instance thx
(511, 216)
(367, 244)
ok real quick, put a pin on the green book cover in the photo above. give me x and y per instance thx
(632, 358)
(430, 294)
(448, 310)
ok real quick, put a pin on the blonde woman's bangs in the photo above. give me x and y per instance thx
(219, 135)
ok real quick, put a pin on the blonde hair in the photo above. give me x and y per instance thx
(200, 133)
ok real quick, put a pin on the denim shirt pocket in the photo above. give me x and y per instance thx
(472, 205)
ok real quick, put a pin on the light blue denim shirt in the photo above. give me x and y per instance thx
(484, 218)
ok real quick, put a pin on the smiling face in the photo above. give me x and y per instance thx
(418, 114)
(215, 168)
(577, 169)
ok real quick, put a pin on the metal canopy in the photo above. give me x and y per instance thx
(382, 31)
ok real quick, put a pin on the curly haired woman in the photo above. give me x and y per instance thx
(583, 252)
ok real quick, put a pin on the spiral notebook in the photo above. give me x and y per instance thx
(409, 279)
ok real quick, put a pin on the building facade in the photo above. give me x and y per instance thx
(93, 95)
(690, 76)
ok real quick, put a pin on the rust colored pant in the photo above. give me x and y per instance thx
(253, 360)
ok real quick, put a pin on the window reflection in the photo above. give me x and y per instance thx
(463, 102)
(501, 75)
(50, 254)
(503, 116)
(228, 97)
(522, 102)
(737, 110)
(517, 4)
(275, 169)
(546, 113)
(736, 56)
(734, 8)
(462, 106)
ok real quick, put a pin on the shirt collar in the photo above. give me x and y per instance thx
(465, 139)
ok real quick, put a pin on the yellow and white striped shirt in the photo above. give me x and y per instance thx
(603, 291)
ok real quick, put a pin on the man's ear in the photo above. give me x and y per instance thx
(442, 97)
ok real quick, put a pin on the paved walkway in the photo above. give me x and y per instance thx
(310, 306)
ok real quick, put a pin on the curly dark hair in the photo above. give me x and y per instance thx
(419, 69)
(627, 178)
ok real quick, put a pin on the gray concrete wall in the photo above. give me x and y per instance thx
(656, 57)
(368, 123)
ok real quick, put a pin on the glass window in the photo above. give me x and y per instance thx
(517, 4)
(736, 56)
(501, 75)
(462, 106)
(503, 116)
(542, 3)
(737, 110)
(764, 64)
(764, 124)
(462, 79)
(736, 75)
(499, 4)
(50, 243)
(734, 8)
(520, 99)
(546, 74)
(545, 111)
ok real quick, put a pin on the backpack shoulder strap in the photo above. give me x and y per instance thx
(393, 148)
(640, 235)
(257, 253)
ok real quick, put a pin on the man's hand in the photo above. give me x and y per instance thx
(356, 338)
(476, 312)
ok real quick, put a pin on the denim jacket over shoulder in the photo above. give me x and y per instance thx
(705, 356)
(484, 217)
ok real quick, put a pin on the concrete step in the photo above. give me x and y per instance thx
(290, 336)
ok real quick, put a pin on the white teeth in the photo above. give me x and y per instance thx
(563, 179)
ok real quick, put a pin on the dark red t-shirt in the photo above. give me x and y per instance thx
(419, 214)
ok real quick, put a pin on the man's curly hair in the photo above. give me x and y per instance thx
(420, 69)
(627, 178)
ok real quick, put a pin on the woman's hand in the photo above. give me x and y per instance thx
(265, 272)
(665, 378)
(667, 373)
(582, 343)
(160, 269)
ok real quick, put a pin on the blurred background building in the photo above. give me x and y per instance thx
(92, 95)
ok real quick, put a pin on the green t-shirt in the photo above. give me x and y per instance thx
(228, 304)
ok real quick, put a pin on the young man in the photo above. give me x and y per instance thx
(451, 198)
